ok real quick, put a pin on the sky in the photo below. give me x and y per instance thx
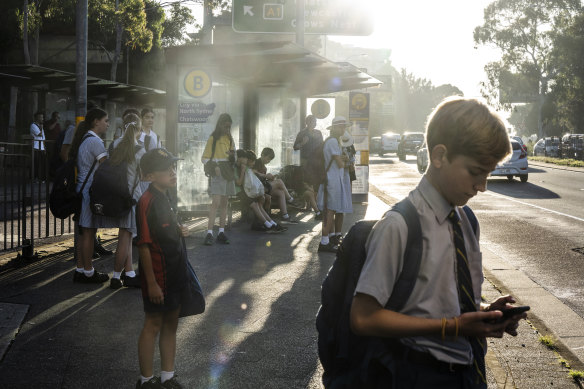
(431, 39)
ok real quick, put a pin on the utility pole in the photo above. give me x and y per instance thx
(300, 42)
(81, 66)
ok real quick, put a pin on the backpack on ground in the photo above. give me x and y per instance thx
(64, 200)
(109, 194)
(348, 360)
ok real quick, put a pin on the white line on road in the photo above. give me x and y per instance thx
(534, 206)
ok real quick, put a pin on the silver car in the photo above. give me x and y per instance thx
(422, 159)
(516, 166)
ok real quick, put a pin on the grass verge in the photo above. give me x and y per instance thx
(558, 161)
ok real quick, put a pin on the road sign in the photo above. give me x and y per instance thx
(327, 17)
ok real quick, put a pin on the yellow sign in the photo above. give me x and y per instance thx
(359, 101)
(273, 11)
(198, 83)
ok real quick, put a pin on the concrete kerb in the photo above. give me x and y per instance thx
(548, 314)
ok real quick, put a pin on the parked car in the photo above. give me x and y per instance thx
(518, 139)
(375, 144)
(539, 148)
(516, 166)
(389, 143)
(571, 146)
(409, 144)
(422, 159)
(552, 146)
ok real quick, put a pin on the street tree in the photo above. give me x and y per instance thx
(523, 31)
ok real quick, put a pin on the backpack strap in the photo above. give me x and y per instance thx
(92, 165)
(472, 218)
(412, 256)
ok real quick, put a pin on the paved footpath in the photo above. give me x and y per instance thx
(258, 331)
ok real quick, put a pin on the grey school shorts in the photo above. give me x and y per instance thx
(219, 186)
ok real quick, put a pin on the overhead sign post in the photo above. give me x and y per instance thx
(326, 17)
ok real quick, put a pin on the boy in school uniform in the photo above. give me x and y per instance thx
(163, 269)
(443, 325)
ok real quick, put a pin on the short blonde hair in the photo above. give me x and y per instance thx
(468, 127)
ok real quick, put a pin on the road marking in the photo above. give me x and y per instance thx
(534, 206)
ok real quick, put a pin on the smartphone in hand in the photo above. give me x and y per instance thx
(510, 312)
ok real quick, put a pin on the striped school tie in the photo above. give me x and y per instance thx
(466, 298)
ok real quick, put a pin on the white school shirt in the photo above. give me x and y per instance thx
(38, 135)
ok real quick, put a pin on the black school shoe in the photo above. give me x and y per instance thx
(208, 240)
(116, 283)
(172, 384)
(153, 383)
(328, 248)
(96, 278)
(222, 238)
(131, 282)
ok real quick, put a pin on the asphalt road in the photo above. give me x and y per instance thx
(536, 226)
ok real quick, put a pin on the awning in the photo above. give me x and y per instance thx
(282, 64)
(41, 78)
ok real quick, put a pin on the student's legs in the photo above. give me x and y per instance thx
(146, 341)
(123, 250)
(267, 204)
(279, 185)
(215, 201)
(222, 211)
(328, 222)
(87, 238)
(309, 197)
(257, 210)
(167, 342)
(281, 198)
(339, 217)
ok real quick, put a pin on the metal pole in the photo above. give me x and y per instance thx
(81, 66)
(300, 42)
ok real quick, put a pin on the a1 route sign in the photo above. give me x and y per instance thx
(327, 17)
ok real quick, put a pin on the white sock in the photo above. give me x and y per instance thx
(117, 274)
(324, 240)
(273, 223)
(285, 216)
(166, 375)
(291, 199)
(89, 273)
(339, 234)
(210, 232)
(267, 224)
(331, 234)
(145, 379)
(131, 274)
(221, 230)
(79, 269)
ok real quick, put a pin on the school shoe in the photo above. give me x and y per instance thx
(153, 383)
(327, 248)
(96, 278)
(222, 238)
(336, 239)
(77, 276)
(288, 220)
(318, 217)
(131, 282)
(272, 230)
(281, 228)
(172, 384)
(116, 283)
(208, 240)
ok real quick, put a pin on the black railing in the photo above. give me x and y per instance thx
(25, 179)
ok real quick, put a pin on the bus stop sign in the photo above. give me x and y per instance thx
(326, 17)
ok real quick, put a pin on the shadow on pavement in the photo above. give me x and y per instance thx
(519, 190)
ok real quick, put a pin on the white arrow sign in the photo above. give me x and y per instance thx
(247, 10)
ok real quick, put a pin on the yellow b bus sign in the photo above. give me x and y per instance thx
(198, 83)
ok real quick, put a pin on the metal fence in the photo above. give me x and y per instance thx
(25, 184)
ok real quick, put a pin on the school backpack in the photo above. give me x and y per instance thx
(64, 200)
(109, 194)
(348, 360)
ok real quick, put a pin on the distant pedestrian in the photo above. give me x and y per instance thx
(441, 329)
(39, 152)
(220, 148)
(308, 140)
(148, 138)
(334, 196)
(52, 127)
(88, 149)
(163, 269)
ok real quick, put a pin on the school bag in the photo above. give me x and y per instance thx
(316, 172)
(64, 200)
(109, 194)
(348, 360)
(252, 185)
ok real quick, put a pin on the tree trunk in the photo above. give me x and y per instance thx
(25, 32)
(119, 32)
